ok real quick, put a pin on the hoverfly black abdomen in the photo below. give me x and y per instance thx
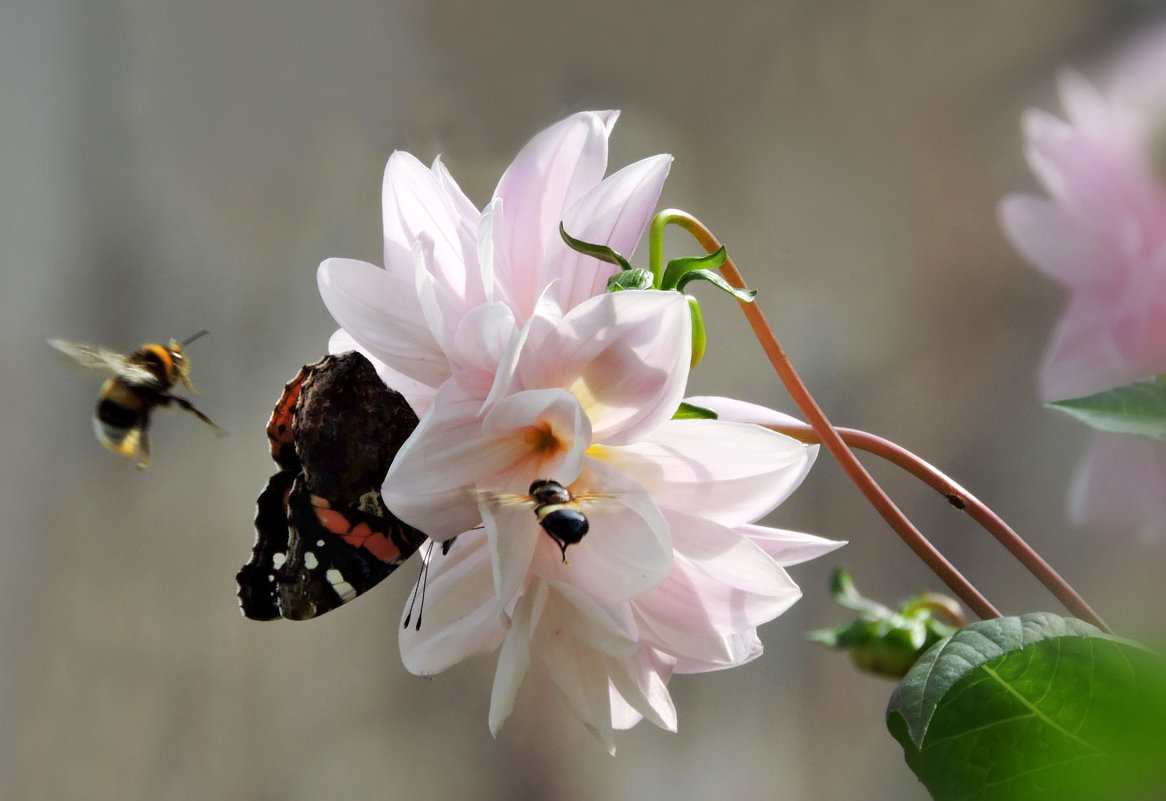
(558, 513)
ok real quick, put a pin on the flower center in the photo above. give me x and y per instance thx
(541, 439)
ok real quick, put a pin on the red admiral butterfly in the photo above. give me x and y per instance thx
(322, 532)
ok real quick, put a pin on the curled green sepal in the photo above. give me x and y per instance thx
(699, 339)
(678, 268)
(634, 278)
(884, 641)
(690, 411)
(1034, 708)
(744, 295)
(601, 252)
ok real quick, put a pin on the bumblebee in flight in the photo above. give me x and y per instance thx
(556, 508)
(140, 381)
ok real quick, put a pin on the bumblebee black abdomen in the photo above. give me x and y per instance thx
(116, 415)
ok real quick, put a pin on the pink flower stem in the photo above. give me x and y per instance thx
(829, 436)
(963, 500)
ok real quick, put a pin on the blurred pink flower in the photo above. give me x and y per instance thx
(458, 282)
(1102, 233)
(672, 575)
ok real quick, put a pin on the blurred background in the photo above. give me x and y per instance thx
(173, 166)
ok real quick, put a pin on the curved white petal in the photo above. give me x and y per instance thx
(552, 171)
(549, 435)
(1083, 356)
(788, 548)
(1118, 488)
(513, 533)
(743, 648)
(720, 583)
(608, 628)
(514, 658)
(624, 355)
(1057, 245)
(459, 618)
(730, 472)
(578, 671)
(417, 201)
(638, 689)
(381, 313)
(615, 213)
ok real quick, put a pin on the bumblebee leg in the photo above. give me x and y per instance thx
(144, 451)
(188, 406)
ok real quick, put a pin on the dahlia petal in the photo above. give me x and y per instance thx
(788, 548)
(610, 630)
(513, 534)
(1118, 488)
(1084, 105)
(640, 687)
(579, 674)
(1052, 241)
(1083, 357)
(624, 355)
(729, 472)
(1087, 179)
(381, 313)
(615, 213)
(416, 201)
(552, 171)
(459, 614)
(743, 648)
(514, 658)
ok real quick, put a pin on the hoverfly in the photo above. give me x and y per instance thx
(140, 382)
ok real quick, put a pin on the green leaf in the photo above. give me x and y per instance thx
(1035, 708)
(690, 411)
(678, 268)
(1138, 408)
(601, 252)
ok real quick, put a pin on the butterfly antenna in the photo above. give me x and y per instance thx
(419, 588)
(188, 340)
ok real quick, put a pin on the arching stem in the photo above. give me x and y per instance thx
(827, 434)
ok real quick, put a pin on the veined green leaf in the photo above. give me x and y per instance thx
(1034, 708)
(1138, 408)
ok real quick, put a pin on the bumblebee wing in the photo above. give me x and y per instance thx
(97, 357)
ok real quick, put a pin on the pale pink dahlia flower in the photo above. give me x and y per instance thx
(523, 368)
(673, 575)
(1102, 233)
(458, 282)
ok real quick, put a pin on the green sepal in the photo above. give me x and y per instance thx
(690, 411)
(635, 278)
(746, 295)
(699, 338)
(678, 268)
(1034, 708)
(1138, 408)
(601, 252)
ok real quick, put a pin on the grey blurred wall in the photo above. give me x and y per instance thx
(172, 166)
